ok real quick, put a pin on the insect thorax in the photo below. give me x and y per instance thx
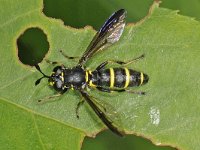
(63, 78)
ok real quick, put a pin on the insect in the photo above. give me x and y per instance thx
(104, 79)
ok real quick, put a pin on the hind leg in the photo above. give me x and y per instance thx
(102, 65)
(120, 90)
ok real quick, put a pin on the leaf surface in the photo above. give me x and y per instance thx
(168, 114)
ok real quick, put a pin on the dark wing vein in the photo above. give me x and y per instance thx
(109, 33)
(101, 114)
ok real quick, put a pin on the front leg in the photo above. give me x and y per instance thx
(53, 62)
(68, 57)
(59, 63)
(51, 98)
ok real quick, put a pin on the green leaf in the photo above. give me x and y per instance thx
(77, 14)
(189, 8)
(23, 129)
(168, 114)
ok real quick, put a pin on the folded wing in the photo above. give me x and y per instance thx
(109, 33)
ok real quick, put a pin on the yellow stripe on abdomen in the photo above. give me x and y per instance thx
(127, 73)
(86, 76)
(112, 77)
(141, 78)
(91, 84)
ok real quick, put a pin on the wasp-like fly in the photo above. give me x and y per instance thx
(104, 79)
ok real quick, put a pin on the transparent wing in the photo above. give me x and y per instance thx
(109, 33)
(112, 114)
(109, 117)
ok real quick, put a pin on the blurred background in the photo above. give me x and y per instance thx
(79, 13)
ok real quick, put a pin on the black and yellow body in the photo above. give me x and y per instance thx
(114, 78)
(102, 78)
(64, 78)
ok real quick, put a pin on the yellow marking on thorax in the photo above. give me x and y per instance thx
(90, 72)
(62, 77)
(72, 87)
(90, 82)
(127, 73)
(86, 76)
(51, 83)
(141, 78)
(112, 77)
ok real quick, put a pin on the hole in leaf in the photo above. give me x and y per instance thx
(107, 140)
(32, 46)
(78, 14)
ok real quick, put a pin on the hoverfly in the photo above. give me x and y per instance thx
(104, 79)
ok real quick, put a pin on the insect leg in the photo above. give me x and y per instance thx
(103, 89)
(55, 62)
(68, 57)
(51, 98)
(102, 65)
(48, 98)
(52, 62)
(134, 60)
(136, 92)
(100, 114)
(78, 106)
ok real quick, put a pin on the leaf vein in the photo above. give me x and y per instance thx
(38, 132)
(3, 87)
(17, 17)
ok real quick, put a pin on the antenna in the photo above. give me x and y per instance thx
(44, 75)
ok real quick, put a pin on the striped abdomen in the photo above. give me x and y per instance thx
(119, 77)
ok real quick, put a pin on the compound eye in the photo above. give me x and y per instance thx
(59, 84)
(58, 72)
(57, 68)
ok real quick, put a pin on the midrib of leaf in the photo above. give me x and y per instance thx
(35, 113)
(38, 132)
(35, 121)
(13, 82)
